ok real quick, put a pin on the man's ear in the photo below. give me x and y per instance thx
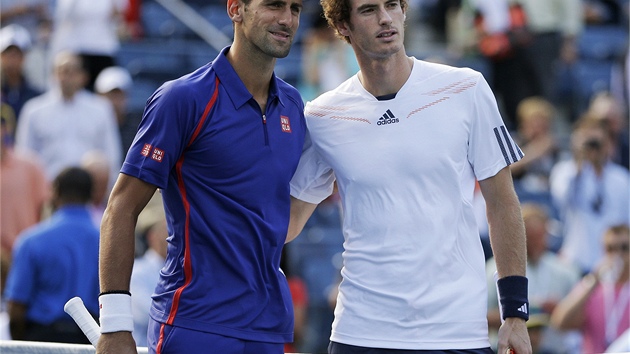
(343, 28)
(234, 10)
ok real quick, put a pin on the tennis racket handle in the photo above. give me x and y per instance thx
(76, 309)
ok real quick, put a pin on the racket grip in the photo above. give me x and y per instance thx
(76, 309)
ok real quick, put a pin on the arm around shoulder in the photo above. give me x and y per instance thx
(301, 211)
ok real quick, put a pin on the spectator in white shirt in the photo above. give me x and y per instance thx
(67, 121)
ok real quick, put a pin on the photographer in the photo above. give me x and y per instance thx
(590, 193)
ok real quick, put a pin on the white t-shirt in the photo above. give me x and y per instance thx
(413, 266)
(61, 132)
(87, 27)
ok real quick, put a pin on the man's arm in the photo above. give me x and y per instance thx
(507, 237)
(570, 314)
(129, 196)
(507, 231)
(301, 211)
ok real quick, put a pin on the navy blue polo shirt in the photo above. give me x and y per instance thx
(224, 168)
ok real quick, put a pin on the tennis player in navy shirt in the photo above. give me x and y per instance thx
(222, 144)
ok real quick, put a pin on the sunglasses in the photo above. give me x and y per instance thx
(622, 247)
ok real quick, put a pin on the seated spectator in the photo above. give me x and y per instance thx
(599, 306)
(612, 115)
(24, 189)
(550, 280)
(589, 192)
(16, 90)
(53, 262)
(535, 137)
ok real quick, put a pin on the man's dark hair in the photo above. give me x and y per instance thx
(73, 185)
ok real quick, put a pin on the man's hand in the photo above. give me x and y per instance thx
(116, 343)
(513, 335)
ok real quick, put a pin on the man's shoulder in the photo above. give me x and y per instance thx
(289, 91)
(441, 72)
(96, 101)
(346, 93)
(32, 236)
(39, 102)
(619, 171)
(199, 83)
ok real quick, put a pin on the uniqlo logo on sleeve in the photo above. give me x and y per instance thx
(285, 124)
(146, 150)
(157, 155)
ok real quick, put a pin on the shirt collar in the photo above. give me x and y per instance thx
(235, 88)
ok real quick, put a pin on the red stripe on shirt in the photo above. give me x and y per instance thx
(182, 191)
(206, 111)
(160, 343)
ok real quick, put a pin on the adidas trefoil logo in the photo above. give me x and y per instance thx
(387, 118)
(523, 308)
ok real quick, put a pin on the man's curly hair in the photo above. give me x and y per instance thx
(337, 11)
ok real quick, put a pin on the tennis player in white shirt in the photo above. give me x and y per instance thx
(406, 140)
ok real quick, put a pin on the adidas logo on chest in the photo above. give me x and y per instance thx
(387, 118)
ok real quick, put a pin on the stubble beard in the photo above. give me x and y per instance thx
(268, 46)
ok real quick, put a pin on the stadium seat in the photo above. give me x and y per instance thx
(590, 76)
(216, 14)
(158, 22)
(603, 42)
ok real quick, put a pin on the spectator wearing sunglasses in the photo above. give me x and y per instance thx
(599, 306)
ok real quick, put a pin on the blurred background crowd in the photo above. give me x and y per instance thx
(76, 74)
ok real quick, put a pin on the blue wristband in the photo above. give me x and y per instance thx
(513, 297)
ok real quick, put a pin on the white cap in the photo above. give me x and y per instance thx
(16, 35)
(114, 77)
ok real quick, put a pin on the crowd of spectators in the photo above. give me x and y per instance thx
(69, 100)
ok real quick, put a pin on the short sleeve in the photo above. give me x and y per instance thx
(313, 179)
(161, 137)
(491, 147)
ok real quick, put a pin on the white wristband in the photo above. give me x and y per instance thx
(115, 313)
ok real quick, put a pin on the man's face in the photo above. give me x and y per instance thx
(592, 144)
(536, 232)
(617, 245)
(376, 27)
(12, 59)
(70, 75)
(270, 25)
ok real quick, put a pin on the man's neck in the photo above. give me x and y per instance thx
(254, 71)
(384, 77)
